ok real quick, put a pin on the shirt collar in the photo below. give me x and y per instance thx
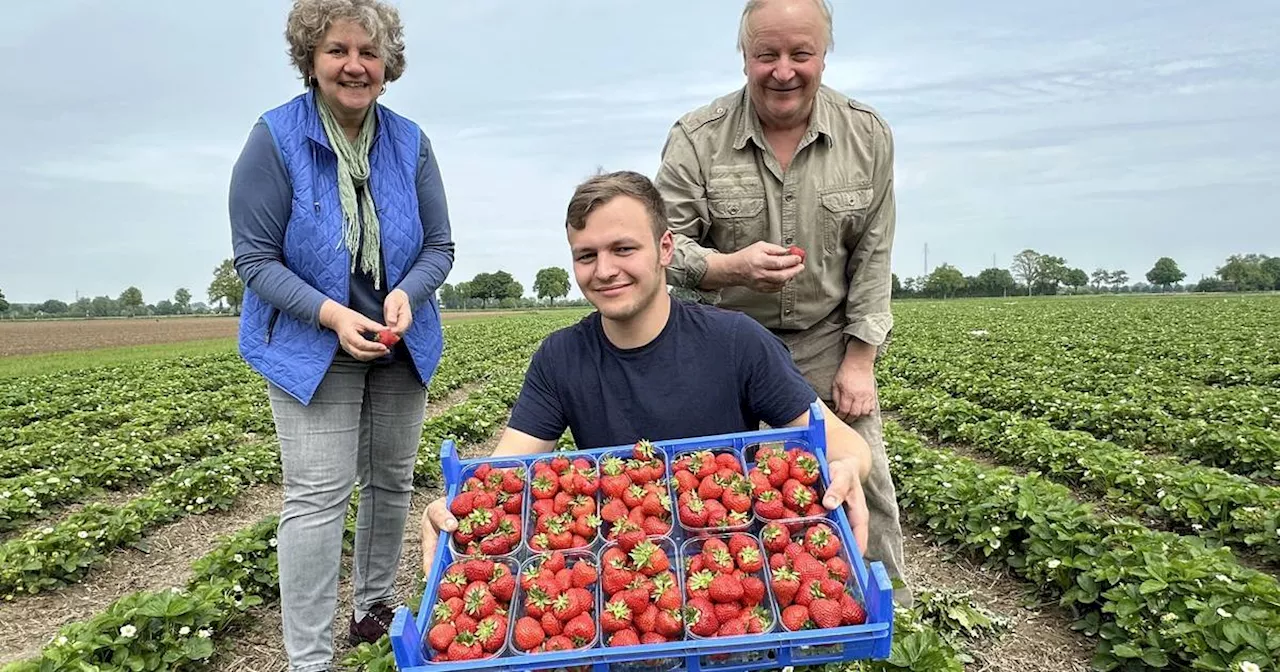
(749, 124)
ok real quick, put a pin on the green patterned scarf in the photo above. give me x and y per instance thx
(353, 172)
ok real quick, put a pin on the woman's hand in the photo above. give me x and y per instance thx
(396, 311)
(351, 326)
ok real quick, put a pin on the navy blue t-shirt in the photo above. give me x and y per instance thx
(710, 371)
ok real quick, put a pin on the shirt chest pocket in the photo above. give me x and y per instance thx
(842, 213)
(741, 218)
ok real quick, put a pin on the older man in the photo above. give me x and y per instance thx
(780, 196)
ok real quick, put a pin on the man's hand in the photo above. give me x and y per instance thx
(396, 311)
(762, 267)
(435, 520)
(351, 326)
(853, 392)
(846, 488)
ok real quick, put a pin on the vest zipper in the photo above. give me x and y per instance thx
(271, 323)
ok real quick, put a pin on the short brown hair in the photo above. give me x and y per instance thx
(604, 187)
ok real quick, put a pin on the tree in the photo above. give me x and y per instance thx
(550, 283)
(182, 300)
(1100, 277)
(897, 286)
(1271, 266)
(227, 285)
(130, 300)
(1027, 265)
(945, 280)
(53, 307)
(4, 305)
(166, 307)
(993, 282)
(451, 297)
(1117, 279)
(1075, 278)
(1165, 273)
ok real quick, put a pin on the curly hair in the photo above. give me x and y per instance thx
(309, 20)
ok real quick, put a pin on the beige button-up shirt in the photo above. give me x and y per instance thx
(724, 190)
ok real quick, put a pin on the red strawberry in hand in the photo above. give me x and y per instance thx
(798, 251)
(388, 337)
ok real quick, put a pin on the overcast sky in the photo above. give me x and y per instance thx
(1110, 134)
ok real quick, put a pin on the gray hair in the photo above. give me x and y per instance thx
(309, 20)
(744, 27)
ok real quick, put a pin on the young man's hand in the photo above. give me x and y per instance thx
(846, 489)
(435, 519)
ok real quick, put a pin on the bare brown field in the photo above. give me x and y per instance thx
(31, 337)
(39, 336)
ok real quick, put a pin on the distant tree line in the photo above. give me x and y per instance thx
(1033, 273)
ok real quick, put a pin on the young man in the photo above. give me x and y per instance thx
(648, 366)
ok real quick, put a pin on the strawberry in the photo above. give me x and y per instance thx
(821, 543)
(616, 580)
(778, 470)
(649, 559)
(492, 633)
(665, 595)
(654, 526)
(749, 559)
(647, 620)
(711, 487)
(733, 627)
(753, 591)
(551, 623)
(737, 496)
(503, 583)
(775, 537)
(627, 534)
(700, 617)
(795, 617)
(769, 505)
(624, 637)
(478, 570)
(616, 616)
(851, 613)
(441, 636)
(558, 643)
(729, 461)
(669, 622)
(528, 634)
(699, 584)
(727, 611)
(692, 511)
(388, 338)
(465, 647)
(584, 574)
(809, 568)
(786, 583)
(581, 629)
(463, 504)
(614, 480)
(717, 556)
(739, 541)
(797, 251)
(838, 569)
(613, 511)
(725, 588)
(805, 469)
(825, 613)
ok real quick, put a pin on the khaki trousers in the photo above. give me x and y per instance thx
(818, 351)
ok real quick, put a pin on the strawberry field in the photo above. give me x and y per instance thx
(1085, 484)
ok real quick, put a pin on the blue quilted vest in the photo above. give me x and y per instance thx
(291, 353)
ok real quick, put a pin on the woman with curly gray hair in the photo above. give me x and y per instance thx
(341, 235)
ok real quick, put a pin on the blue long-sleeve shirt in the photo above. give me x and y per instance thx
(260, 203)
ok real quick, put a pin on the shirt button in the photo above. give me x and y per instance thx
(788, 198)
(788, 240)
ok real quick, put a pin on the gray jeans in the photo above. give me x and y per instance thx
(363, 425)
(817, 352)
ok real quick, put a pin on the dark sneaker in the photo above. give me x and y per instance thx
(373, 627)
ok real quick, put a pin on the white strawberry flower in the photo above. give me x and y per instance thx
(82, 534)
(186, 630)
(1054, 563)
(1224, 613)
(238, 558)
(1249, 666)
(205, 633)
(128, 631)
(1169, 617)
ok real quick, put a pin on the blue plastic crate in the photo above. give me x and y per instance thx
(773, 649)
